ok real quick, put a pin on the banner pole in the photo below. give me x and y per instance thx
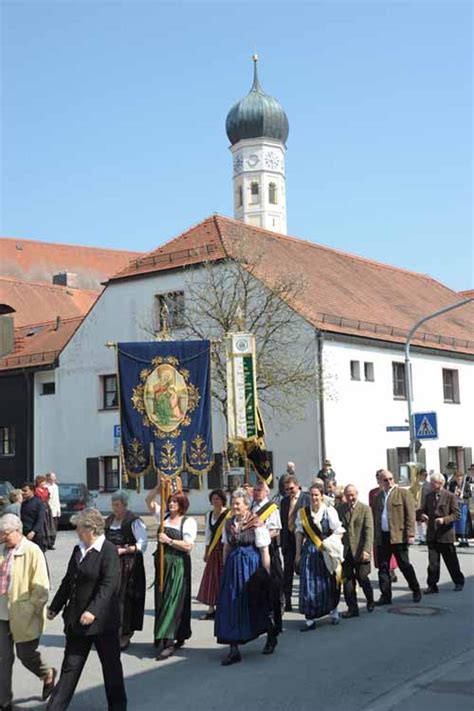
(162, 528)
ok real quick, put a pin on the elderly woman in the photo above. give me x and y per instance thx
(173, 603)
(14, 507)
(244, 604)
(211, 579)
(24, 589)
(318, 558)
(89, 596)
(128, 533)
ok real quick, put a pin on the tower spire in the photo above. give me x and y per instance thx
(256, 86)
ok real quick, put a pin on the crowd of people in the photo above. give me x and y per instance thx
(253, 550)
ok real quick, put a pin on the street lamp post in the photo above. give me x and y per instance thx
(408, 378)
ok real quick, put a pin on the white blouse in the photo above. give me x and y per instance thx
(208, 534)
(138, 530)
(273, 521)
(262, 536)
(333, 519)
(189, 527)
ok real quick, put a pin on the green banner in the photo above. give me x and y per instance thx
(250, 400)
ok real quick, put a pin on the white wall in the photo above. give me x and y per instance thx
(356, 420)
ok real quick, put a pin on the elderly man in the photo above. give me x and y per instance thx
(440, 510)
(32, 514)
(327, 472)
(54, 503)
(269, 515)
(24, 589)
(358, 540)
(394, 519)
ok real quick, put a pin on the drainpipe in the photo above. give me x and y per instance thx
(320, 384)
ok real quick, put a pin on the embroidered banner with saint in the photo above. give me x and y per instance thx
(165, 407)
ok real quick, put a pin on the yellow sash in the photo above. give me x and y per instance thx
(263, 516)
(310, 532)
(218, 534)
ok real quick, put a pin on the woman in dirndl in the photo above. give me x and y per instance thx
(128, 533)
(319, 554)
(244, 604)
(173, 603)
(211, 579)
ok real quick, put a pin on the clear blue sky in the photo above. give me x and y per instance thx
(112, 120)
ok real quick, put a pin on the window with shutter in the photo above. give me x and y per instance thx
(215, 476)
(392, 462)
(93, 473)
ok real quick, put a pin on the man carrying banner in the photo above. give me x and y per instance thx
(269, 515)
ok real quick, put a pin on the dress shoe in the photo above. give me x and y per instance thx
(382, 601)
(350, 613)
(370, 606)
(208, 616)
(8, 707)
(308, 628)
(458, 587)
(48, 686)
(417, 596)
(335, 620)
(166, 653)
(270, 645)
(393, 576)
(288, 607)
(232, 658)
(463, 544)
(430, 591)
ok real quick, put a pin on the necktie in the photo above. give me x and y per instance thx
(291, 517)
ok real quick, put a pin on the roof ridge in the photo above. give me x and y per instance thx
(179, 236)
(67, 244)
(47, 285)
(318, 245)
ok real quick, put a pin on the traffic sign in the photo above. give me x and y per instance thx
(397, 428)
(426, 425)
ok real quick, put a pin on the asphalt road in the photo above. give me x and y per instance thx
(376, 662)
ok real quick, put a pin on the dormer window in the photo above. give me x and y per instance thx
(272, 194)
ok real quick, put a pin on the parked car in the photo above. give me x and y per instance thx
(74, 498)
(5, 488)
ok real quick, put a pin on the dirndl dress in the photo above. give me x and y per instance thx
(463, 526)
(319, 590)
(173, 605)
(244, 603)
(211, 580)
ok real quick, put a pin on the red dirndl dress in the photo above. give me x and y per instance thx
(211, 579)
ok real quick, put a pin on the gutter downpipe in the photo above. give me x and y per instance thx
(320, 393)
(408, 378)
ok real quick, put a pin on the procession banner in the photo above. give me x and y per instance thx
(165, 407)
(241, 387)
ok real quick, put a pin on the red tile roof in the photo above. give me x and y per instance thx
(38, 302)
(39, 345)
(31, 260)
(467, 294)
(345, 293)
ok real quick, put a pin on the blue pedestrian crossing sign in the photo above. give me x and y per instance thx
(426, 425)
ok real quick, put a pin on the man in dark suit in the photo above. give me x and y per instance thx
(440, 511)
(89, 594)
(358, 540)
(32, 514)
(394, 521)
(294, 500)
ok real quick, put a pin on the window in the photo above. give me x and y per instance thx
(355, 370)
(7, 441)
(369, 372)
(254, 192)
(272, 194)
(399, 385)
(109, 392)
(451, 385)
(174, 301)
(240, 196)
(48, 388)
(111, 473)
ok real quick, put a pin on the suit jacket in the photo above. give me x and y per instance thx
(401, 515)
(302, 501)
(32, 514)
(91, 585)
(359, 535)
(446, 508)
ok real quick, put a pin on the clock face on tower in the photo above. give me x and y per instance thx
(273, 161)
(252, 160)
(238, 163)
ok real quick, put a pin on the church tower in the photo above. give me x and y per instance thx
(257, 128)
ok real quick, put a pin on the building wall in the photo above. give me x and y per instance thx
(71, 426)
(357, 417)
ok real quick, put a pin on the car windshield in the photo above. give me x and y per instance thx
(70, 491)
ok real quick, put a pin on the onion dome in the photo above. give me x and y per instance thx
(257, 115)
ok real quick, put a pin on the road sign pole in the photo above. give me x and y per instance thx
(408, 378)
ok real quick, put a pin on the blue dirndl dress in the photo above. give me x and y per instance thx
(244, 604)
(319, 590)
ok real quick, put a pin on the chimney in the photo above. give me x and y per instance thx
(66, 279)
(58, 323)
(7, 339)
